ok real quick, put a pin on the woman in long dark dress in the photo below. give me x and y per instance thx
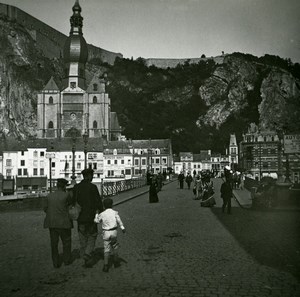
(153, 198)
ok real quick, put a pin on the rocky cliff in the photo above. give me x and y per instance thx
(197, 105)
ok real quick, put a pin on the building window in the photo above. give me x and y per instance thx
(94, 99)
(50, 125)
(116, 162)
(22, 153)
(35, 171)
(42, 172)
(25, 172)
(8, 162)
(108, 162)
(50, 100)
(136, 162)
(19, 171)
(78, 165)
(122, 161)
(52, 164)
(95, 87)
(42, 154)
(8, 172)
(95, 125)
(35, 163)
(156, 160)
(143, 161)
(22, 162)
(95, 166)
(127, 171)
(164, 160)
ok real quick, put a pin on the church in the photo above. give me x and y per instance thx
(81, 107)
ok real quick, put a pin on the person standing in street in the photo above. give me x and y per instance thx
(153, 197)
(226, 195)
(181, 179)
(189, 180)
(58, 221)
(87, 196)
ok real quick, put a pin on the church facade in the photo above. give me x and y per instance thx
(80, 107)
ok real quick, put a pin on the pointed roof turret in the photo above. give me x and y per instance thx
(51, 85)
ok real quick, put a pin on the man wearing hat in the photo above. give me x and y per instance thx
(87, 196)
(58, 221)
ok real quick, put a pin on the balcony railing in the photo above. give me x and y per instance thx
(110, 188)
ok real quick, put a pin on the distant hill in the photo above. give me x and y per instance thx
(196, 103)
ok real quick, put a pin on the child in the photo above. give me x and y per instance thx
(110, 220)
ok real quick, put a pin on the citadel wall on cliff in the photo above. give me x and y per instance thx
(49, 40)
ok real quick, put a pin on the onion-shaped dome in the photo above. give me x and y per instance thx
(75, 49)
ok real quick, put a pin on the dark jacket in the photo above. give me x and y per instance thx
(56, 208)
(226, 190)
(87, 196)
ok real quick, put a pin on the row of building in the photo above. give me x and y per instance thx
(33, 163)
(260, 153)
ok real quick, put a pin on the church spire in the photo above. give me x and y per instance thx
(76, 19)
(75, 52)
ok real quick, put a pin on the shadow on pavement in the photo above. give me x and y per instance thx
(270, 237)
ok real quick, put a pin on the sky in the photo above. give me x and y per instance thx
(179, 28)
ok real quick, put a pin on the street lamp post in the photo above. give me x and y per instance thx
(85, 140)
(50, 156)
(73, 159)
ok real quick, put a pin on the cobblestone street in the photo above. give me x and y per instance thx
(171, 248)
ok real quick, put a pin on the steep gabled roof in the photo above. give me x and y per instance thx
(51, 85)
(114, 122)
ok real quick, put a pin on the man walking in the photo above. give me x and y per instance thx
(58, 221)
(226, 195)
(87, 196)
(181, 179)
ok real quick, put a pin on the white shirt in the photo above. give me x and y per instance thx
(110, 219)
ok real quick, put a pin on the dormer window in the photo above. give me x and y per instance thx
(50, 100)
(94, 99)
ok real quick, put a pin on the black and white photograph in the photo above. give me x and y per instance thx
(149, 148)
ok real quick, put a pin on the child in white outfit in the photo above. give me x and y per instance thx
(110, 220)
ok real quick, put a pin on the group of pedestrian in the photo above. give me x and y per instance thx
(203, 188)
(93, 211)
